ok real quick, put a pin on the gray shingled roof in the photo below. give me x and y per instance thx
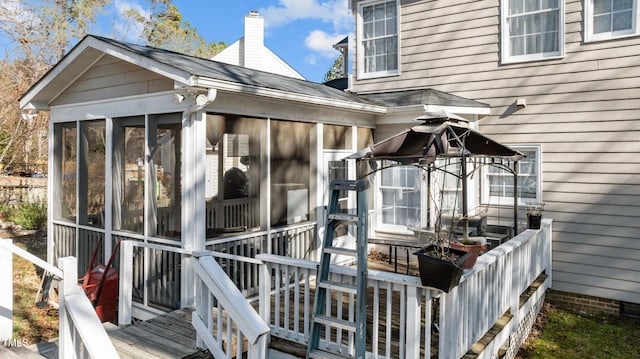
(421, 97)
(236, 74)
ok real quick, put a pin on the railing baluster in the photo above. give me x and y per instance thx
(388, 339)
(287, 299)
(376, 319)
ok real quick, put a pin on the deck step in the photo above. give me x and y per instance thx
(336, 323)
(345, 217)
(340, 287)
(47, 349)
(286, 346)
(341, 251)
(19, 352)
(321, 354)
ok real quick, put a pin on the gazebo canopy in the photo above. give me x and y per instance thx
(439, 135)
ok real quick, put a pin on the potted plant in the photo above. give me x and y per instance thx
(534, 215)
(441, 267)
(473, 246)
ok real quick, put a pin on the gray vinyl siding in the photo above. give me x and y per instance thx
(584, 110)
(111, 78)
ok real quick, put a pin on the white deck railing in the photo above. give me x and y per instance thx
(488, 291)
(223, 319)
(492, 288)
(81, 334)
(156, 288)
(240, 212)
(287, 308)
(296, 241)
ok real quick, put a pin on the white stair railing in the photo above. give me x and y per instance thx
(224, 320)
(81, 334)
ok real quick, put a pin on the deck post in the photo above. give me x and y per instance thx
(68, 286)
(259, 349)
(265, 292)
(514, 294)
(125, 300)
(413, 323)
(6, 293)
(201, 301)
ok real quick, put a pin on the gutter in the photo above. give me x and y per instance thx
(204, 82)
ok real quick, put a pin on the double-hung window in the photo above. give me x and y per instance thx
(532, 30)
(400, 198)
(498, 184)
(378, 45)
(605, 19)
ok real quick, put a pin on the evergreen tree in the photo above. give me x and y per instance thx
(335, 72)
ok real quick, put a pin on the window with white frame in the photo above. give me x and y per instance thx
(605, 19)
(532, 29)
(400, 198)
(378, 44)
(497, 185)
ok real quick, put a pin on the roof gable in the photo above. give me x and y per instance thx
(111, 77)
(181, 68)
(79, 60)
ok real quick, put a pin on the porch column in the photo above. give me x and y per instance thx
(193, 221)
(265, 190)
(108, 188)
(53, 183)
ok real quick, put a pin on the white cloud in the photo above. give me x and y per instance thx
(331, 11)
(322, 43)
(125, 27)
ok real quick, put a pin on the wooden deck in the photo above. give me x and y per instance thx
(170, 336)
(164, 337)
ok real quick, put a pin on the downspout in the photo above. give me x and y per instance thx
(515, 198)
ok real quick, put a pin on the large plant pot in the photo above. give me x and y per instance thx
(474, 249)
(440, 273)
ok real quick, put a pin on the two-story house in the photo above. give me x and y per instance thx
(560, 79)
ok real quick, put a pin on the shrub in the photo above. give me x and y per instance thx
(30, 215)
(5, 211)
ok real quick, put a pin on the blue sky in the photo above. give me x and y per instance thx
(301, 32)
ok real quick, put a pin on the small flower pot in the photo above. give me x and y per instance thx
(534, 215)
(441, 273)
(534, 220)
(475, 250)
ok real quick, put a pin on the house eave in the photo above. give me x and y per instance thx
(406, 114)
(204, 82)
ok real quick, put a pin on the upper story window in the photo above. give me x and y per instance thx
(607, 19)
(378, 39)
(532, 30)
